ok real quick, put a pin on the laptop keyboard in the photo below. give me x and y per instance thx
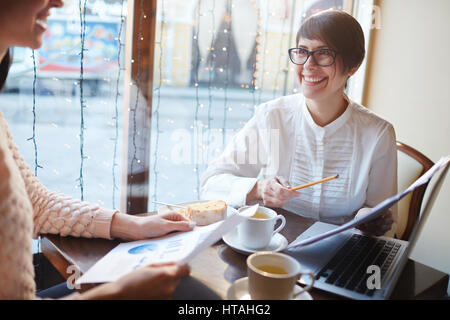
(348, 267)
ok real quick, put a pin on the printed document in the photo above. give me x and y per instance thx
(180, 246)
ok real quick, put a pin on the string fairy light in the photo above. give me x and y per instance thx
(197, 104)
(291, 35)
(210, 74)
(39, 263)
(264, 59)
(228, 32)
(257, 48)
(82, 101)
(281, 56)
(33, 138)
(116, 107)
(158, 102)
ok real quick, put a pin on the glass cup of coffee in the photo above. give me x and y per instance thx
(273, 275)
(256, 232)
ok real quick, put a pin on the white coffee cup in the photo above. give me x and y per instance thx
(267, 282)
(256, 233)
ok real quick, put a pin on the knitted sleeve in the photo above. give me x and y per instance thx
(16, 267)
(59, 214)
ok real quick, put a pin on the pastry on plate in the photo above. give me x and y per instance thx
(205, 213)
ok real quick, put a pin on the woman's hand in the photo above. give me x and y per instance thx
(130, 227)
(274, 192)
(378, 226)
(152, 282)
(157, 281)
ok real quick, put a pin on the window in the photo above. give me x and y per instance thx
(214, 63)
(43, 102)
(139, 122)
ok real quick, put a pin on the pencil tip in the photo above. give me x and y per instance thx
(337, 176)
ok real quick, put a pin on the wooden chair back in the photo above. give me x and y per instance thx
(411, 165)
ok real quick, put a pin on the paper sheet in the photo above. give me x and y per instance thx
(181, 247)
(377, 210)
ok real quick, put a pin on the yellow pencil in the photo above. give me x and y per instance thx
(315, 182)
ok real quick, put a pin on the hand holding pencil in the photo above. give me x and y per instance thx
(277, 191)
(315, 182)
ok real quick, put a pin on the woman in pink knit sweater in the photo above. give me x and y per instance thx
(27, 208)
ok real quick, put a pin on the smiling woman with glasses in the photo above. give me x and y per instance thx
(311, 135)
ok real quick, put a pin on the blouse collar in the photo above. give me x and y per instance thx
(331, 127)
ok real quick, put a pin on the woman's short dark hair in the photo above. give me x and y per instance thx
(338, 30)
(4, 68)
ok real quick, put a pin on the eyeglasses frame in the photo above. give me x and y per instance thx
(311, 53)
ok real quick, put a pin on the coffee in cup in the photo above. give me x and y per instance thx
(256, 231)
(260, 215)
(272, 269)
(273, 276)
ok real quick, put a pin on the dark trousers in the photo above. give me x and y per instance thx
(55, 292)
(49, 283)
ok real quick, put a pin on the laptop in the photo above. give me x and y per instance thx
(357, 266)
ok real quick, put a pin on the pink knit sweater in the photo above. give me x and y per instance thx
(28, 209)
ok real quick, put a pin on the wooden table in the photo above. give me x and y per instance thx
(219, 266)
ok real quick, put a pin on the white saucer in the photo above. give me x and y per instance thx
(278, 243)
(239, 291)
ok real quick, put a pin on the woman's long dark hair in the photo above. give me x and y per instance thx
(4, 68)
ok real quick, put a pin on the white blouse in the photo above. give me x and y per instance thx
(282, 139)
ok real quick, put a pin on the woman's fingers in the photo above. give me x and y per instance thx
(283, 181)
(273, 202)
(174, 216)
(184, 225)
(379, 226)
(276, 192)
(156, 281)
(184, 270)
(281, 190)
(177, 222)
(288, 193)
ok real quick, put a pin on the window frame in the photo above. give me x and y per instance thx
(138, 93)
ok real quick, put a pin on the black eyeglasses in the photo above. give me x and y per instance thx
(322, 57)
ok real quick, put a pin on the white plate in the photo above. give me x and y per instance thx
(239, 291)
(278, 243)
(163, 208)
